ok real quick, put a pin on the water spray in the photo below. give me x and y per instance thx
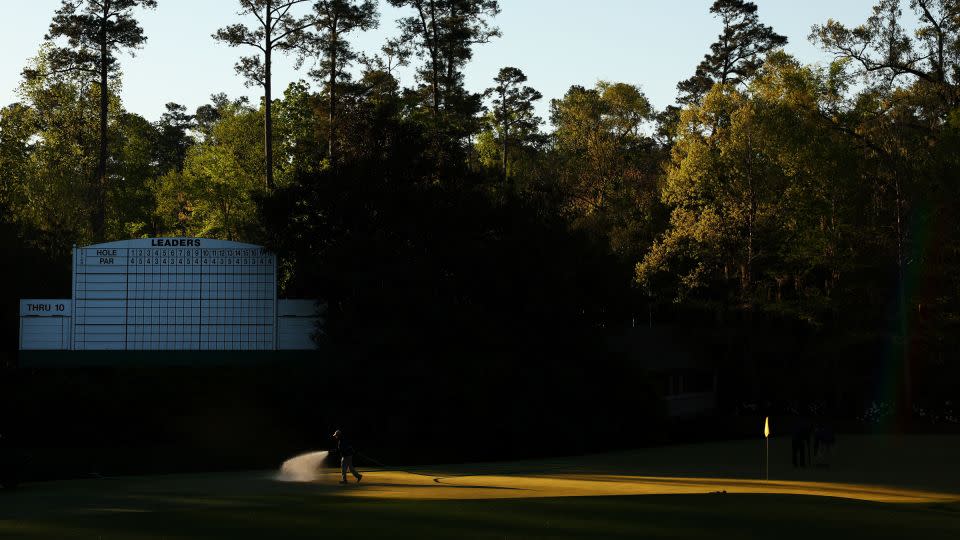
(302, 468)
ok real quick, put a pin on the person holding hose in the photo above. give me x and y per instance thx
(346, 451)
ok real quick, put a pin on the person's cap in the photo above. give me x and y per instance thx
(336, 434)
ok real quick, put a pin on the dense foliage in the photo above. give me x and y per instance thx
(797, 219)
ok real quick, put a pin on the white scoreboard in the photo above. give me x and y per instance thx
(174, 294)
(45, 324)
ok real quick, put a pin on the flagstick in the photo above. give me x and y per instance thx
(766, 436)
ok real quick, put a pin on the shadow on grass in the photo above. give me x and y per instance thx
(676, 516)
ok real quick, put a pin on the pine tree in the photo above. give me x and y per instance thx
(276, 30)
(443, 33)
(512, 109)
(738, 52)
(333, 20)
(96, 30)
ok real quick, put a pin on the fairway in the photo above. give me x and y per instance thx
(591, 496)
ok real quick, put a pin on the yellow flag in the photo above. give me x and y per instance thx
(766, 427)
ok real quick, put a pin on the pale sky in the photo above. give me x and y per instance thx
(557, 43)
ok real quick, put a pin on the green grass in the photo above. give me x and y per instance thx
(694, 516)
(251, 505)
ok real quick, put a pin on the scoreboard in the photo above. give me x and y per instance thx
(174, 294)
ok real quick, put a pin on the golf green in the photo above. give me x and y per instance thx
(692, 491)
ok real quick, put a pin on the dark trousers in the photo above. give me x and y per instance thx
(799, 453)
(346, 463)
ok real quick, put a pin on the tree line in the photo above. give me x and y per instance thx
(774, 200)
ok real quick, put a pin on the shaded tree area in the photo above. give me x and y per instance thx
(476, 266)
(485, 317)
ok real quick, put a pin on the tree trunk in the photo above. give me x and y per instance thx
(450, 54)
(433, 44)
(434, 59)
(332, 95)
(751, 219)
(906, 402)
(505, 132)
(748, 277)
(99, 211)
(748, 273)
(268, 99)
(430, 39)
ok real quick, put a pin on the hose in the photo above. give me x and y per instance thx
(438, 479)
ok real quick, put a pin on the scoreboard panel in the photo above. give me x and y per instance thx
(174, 294)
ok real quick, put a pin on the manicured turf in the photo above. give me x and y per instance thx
(550, 498)
(301, 515)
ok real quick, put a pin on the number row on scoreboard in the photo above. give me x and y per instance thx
(194, 261)
(172, 269)
(176, 261)
(174, 252)
(198, 252)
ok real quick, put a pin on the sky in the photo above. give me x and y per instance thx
(557, 43)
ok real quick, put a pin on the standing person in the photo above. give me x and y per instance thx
(801, 444)
(823, 442)
(346, 451)
(796, 445)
